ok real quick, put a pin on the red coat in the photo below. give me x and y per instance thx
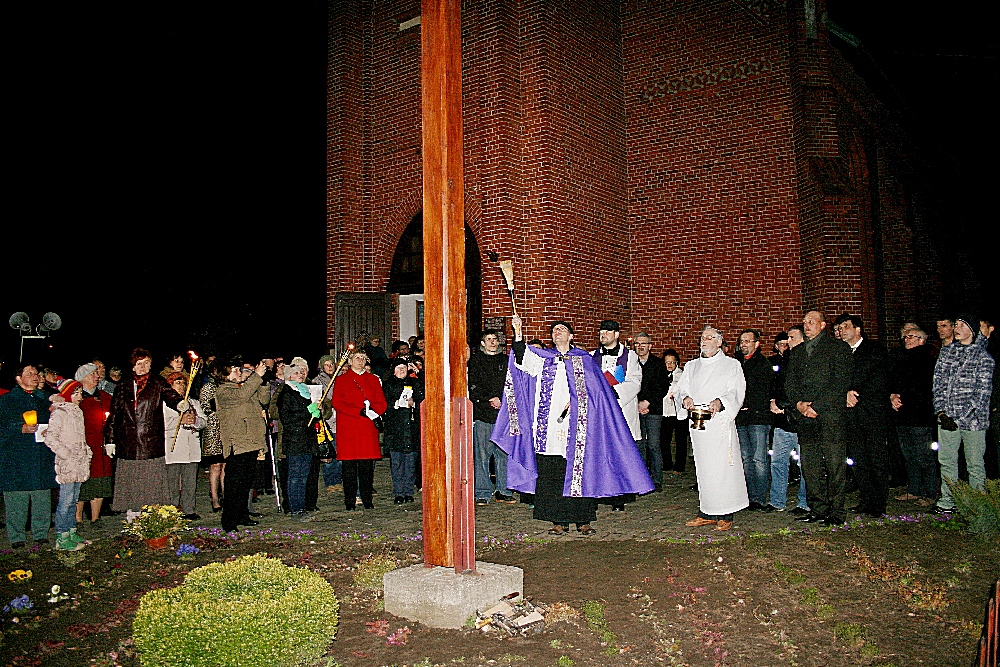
(95, 409)
(357, 437)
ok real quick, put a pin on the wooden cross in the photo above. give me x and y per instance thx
(448, 486)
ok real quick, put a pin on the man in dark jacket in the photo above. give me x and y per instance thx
(654, 387)
(487, 373)
(819, 376)
(753, 423)
(868, 411)
(27, 466)
(911, 395)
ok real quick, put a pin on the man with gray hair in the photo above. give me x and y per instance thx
(912, 398)
(715, 384)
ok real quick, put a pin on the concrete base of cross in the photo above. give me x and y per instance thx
(439, 598)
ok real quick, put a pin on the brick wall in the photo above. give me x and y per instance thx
(669, 165)
(713, 205)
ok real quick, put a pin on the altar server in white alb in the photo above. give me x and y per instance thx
(623, 373)
(715, 381)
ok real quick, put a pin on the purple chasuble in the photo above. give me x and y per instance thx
(602, 459)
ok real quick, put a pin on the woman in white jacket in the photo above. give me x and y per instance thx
(184, 455)
(67, 438)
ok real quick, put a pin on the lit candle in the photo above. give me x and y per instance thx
(30, 417)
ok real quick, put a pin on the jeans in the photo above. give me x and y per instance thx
(16, 511)
(921, 461)
(66, 507)
(649, 445)
(753, 446)
(782, 445)
(298, 473)
(482, 450)
(403, 466)
(975, 450)
(332, 472)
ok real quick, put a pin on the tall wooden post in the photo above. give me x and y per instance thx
(448, 488)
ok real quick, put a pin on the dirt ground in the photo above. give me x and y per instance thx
(907, 592)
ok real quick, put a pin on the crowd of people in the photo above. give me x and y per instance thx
(830, 399)
(565, 428)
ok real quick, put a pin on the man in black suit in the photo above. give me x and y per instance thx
(867, 415)
(817, 379)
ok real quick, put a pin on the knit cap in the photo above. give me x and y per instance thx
(84, 371)
(67, 387)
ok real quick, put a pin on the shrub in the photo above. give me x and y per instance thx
(250, 612)
(372, 568)
(979, 509)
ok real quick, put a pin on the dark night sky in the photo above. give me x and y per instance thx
(168, 165)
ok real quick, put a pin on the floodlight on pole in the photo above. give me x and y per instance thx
(22, 323)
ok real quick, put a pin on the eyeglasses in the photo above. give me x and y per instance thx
(909, 336)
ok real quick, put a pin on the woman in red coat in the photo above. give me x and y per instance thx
(358, 399)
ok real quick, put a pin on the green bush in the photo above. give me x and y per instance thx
(980, 510)
(251, 612)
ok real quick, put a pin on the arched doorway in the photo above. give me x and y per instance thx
(406, 276)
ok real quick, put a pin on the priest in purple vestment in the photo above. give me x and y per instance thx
(563, 430)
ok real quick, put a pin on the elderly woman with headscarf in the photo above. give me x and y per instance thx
(358, 400)
(184, 453)
(135, 433)
(297, 411)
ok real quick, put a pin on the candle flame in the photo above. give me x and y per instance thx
(350, 346)
(194, 357)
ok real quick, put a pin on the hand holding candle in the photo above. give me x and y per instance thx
(30, 421)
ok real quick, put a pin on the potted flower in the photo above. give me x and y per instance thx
(156, 524)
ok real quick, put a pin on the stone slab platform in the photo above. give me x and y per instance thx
(439, 598)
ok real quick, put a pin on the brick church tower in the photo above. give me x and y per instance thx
(666, 164)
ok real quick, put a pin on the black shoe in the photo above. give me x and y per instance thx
(767, 509)
(192, 517)
(216, 510)
(369, 506)
(17, 545)
(809, 518)
(231, 529)
(833, 521)
(694, 487)
(407, 499)
(502, 498)
(249, 522)
(399, 500)
(618, 508)
(755, 506)
(940, 511)
(256, 515)
(799, 511)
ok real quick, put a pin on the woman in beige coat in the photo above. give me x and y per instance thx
(67, 438)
